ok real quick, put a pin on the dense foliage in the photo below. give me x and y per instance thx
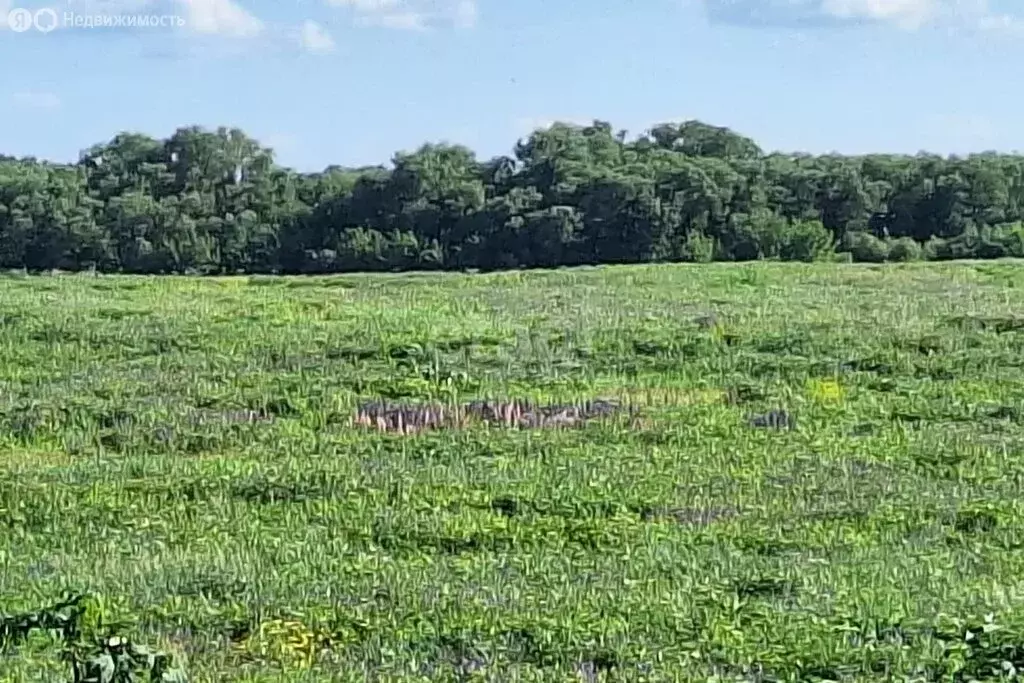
(205, 201)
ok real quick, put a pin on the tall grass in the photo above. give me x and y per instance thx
(188, 453)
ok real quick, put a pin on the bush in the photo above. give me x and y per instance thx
(769, 232)
(936, 249)
(841, 257)
(865, 247)
(991, 245)
(697, 248)
(905, 249)
(806, 241)
(966, 245)
(750, 237)
(1009, 237)
(985, 243)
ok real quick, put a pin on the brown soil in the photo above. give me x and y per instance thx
(406, 418)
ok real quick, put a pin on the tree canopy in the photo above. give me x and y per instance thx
(216, 202)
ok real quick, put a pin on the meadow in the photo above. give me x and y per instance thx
(182, 451)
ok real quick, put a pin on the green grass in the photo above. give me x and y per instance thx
(180, 448)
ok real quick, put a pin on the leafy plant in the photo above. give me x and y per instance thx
(93, 658)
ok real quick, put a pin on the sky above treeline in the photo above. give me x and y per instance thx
(351, 82)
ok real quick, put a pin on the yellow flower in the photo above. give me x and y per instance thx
(825, 390)
(287, 642)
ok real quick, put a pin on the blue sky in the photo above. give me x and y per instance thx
(353, 81)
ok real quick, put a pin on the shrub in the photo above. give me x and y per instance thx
(697, 248)
(936, 249)
(806, 241)
(1003, 240)
(841, 257)
(965, 245)
(865, 247)
(1012, 238)
(905, 249)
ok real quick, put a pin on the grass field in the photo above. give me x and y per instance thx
(182, 450)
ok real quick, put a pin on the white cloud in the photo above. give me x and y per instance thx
(5, 7)
(979, 15)
(911, 14)
(1001, 23)
(406, 21)
(368, 6)
(953, 15)
(416, 15)
(314, 38)
(36, 100)
(220, 17)
(906, 13)
(466, 13)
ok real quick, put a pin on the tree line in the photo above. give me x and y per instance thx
(204, 201)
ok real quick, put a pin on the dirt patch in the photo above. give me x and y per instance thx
(409, 418)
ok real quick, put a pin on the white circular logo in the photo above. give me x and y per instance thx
(45, 20)
(19, 19)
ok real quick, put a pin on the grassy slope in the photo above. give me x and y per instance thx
(691, 547)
